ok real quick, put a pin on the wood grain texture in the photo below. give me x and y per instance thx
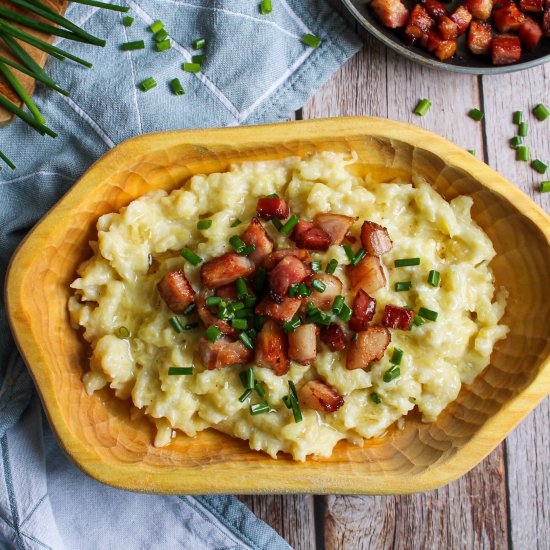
(38, 55)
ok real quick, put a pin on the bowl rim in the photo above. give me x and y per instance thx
(296, 479)
(436, 63)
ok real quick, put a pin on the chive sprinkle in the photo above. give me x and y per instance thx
(163, 46)
(427, 314)
(422, 107)
(541, 112)
(245, 396)
(239, 324)
(199, 44)
(297, 413)
(246, 340)
(191, 257)
(359, 256)
(260, 279)
(433, 277)
(266, 7)
(190, 308)
(180, 371)
(176, 324)
(250, 301)
(7, 161)
(213, 333)
(522, 129)
(204, 224)
(259, 408)
(260, 390)
(292, 388)
(137, 45)
(545, 186)
(375, 398)
(338, 304)
(476, 114)
(156, 26)
(277, 223)
(128, 21)
(406, 262)
(147, 84)
(403, 286)
(349, 252)
(331, 266)
(355, 337)
(316, 266)
(213, 301)
(236, 223)
(311, 40)
(518, 117)
(523, 153)
(539, 166)
(191, 67)
(286, 401)
(199, 58)
(291, 326)
(392, 373)
(236, 242)
(247, 378)
(345, 313)
(240, 286)
(272, 196)
(397, 356)
(123, 332)
(161, 35)
(287, 228)
(318, 285)
(247, 250)
(515, 142)
(418, 320)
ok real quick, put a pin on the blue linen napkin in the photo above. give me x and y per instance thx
(257, 70)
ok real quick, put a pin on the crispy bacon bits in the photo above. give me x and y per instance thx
(302, 344)
(369, 346)
(333, 287)
(283, 311)
(480, 9)
(505, 50)
(270, 207)
(271, 260)
(367, 275)
(480, 37)
(375, 239)
(319, 396)
(226, 269)
(308, 235)
(362, 311)
(272, 348)
(224, 353)
(176, 290)
(333, 336)
(392, 13)
(397, 317)
(256, 235)
(208, 316)
(289, 271)
(507, 18)
(530, 33)
(335, 225)
(462, 17)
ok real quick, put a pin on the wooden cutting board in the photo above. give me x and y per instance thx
(58, 5)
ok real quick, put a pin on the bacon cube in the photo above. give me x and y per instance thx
(546, 20)
(507, 18)
(505, 50)
(362, 311)
(419, 24)
(367, 275)
(442, 48)
(462, 17)
(531, 6)
(289, 271)
(272, 348)
(224, 353)
(374, 237)
(308, 235)
(333, 336)
(176, 290)
(271, 260)
(392, 13)
(283, 311)
(480, 37)
(208, 316)
(319, 396)
(225, 269)
(369, 346)
(435, 9)
(256, 235)
(447, 28)
(397, 317)
(480, 9)
(530, 33)
(268, 208)
(333, 287)
(336, 225)
(302, 344)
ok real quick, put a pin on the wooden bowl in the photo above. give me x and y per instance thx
(98, 433)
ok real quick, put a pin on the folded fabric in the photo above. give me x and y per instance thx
(256, 70)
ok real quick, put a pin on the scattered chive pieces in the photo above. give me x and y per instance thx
(433, 277)
(191, 67)
(156, 26)
(190, 256)
(541, 112)
(427, 314)
(147, 84)
(518, 117)
(406, 262)
(397, 356)
(123, 332)
(245, 395)
(515, 142)
(128, 21)
(161, 35)
(163, 46)
(539, 166)
(476, 114)
(311, 40)
(266, 7)
(272, 196)
(318, 285)
(349, 252)
(137, 45)
(7, 161)
(236, 242)
(277, 223)
(418, 320)
(213, 301)
(295, 409)
(423, 107)
(287, 228)
(338, 304)
(545, 187)
(176, 324)
(248, 378)
(204, 224)
(359, 256)
(239, 324)
(199, 58)
(331, 266)
(291, 326)
(392, 373)
(246, 340)
(376, 398)
(403, 286)
(190, 308)
(259, 408)
(213, 333)
(522, 129)
(260, 390)
(523, 153)
(199, 44)
(345, 313)
(244, 313)
(236, 223)
(292, 388)
(286, 401)
(180, 370)
(472, 152)
(240, 286)
(316, 266)
(248, 250)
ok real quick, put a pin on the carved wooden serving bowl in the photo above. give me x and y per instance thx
(98, 432)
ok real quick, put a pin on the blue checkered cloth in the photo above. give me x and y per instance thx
(257, 70)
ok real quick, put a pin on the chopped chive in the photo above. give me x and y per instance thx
(403, 286)
(345, 313)
(245, 396)
(539, 166)
(316, 266)
(292, 388)
(163, 46)
(156, 26)
(190, 256)
(522, 153)
(180, 371)
(147, 84)
(123, 332)
(359, 256)
(128, 21)
(286, 401)
(541, 112)
(224, 312)
(418, 320)
(203, 224)
(236, 223)
(244, 313)
(239, 324)
(522, 129)
(190, 308)
(176, 324)
(248, 250)
(291, 326)
(545, 186)
(287, 228)
(518, 117)
(236, 306)
(199, 58)
(392, 373)
(260, 390)
(259, 408)
(472, 152)
(515, 142)
(427, 314)
(213, 333)
(406, 262)
(137, 45)
(199, 44)
(259, 321)
(422, 107)
(311, 40)
(349, 252)
(297, 413)
(213, 301)
(246, 340)
(250, 301)
(433, 277)
(375, 397)
(318, 285)
(236, 242)
(161, 35)
(266, 7)
(397, 356)
(7, 161)
(272, 196)
(338, 304)
(248, 378)
(191, 67)
(240, 286)
(476, 114)
(331, 266)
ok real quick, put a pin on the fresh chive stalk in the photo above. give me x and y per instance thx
(136, 45)
(428, 314)
(422, 107)
(25, 58)
(187, 253)
(103, 5)
(191, 67)
(7, 161)
(29, 119)
(22, 93)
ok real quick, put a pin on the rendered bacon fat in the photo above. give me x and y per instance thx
(397, 317)
(369, 346)
(268, 208)
(333, 336)
(335, 225)
(302, 344)
(226, 269)
(375, 239)
(256, 235)
(362, 311)
(176, 290)
(272, 348)
(367, 275)
(223, 353)
(392, 13)
(289, 271)
(320, 396)
(308, 235)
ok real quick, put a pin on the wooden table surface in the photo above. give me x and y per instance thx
(505, 501)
